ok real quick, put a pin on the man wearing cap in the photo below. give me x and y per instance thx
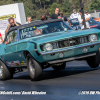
(74, 14)
(64, 17)
(87, 15)
(81, 20)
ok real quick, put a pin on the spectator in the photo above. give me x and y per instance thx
(61, 14)
(43, 17)
(81, 20)
(11, 24)
(1, 37)
(74, 14)
(87, 15)
(28, 20)
(56, 15)
(64, 18)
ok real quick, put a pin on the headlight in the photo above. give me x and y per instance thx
(93, 38)
(48, 47)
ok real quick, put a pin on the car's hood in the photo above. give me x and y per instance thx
(57, 36)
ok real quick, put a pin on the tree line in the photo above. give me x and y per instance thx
(35, 8)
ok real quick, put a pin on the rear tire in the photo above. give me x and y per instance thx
(59, 66)
(5, 72)
(34, 68)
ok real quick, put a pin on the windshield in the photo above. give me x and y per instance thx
(42, 29)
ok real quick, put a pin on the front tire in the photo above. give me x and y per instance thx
(5, 72)
(59, 66)
(93, 61)
(34, 68)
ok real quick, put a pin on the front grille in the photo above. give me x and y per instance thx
(68, 42)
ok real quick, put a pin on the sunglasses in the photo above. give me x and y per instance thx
(12, 23)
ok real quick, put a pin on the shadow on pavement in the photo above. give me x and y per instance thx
(51, 74)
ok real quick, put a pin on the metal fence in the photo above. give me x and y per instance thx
(95, 13)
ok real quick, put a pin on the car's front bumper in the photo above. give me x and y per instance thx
(72, 58)
(69, 53)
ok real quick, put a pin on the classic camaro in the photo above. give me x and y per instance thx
(42, 44)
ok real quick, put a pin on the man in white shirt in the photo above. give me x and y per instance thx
(87, 15)
(28, 20)
(81, 20)
(74, 14)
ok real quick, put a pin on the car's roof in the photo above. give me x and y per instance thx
(38, 22)
(35, 23)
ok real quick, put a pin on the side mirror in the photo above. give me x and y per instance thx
(65, 29)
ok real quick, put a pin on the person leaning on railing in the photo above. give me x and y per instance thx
(81, 20)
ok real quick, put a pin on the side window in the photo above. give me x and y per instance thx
(12, 37)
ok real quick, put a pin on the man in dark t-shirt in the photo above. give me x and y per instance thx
(56, 15)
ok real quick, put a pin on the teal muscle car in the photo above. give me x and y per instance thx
(42, 44)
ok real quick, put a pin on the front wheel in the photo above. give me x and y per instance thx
(59, 66)
(93, 61)
(34, 68)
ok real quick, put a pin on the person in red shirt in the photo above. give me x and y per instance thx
(1, 37)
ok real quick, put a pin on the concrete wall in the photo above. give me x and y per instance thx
(95, 13)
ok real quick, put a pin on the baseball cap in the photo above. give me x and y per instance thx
(80, 10)
(43, 17)
(86, 11)
(74, 9)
